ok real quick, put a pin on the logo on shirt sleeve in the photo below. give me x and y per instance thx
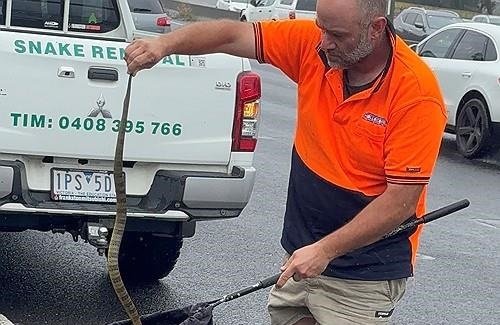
(413, 169)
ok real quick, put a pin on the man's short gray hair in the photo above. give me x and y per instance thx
(372, 8)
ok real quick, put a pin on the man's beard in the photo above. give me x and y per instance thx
(344, 59)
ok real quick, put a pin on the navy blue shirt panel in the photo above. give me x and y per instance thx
(316, 208)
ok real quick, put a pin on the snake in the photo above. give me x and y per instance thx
(121, 217)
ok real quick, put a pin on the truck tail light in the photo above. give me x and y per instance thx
(162, 21)
(291, 14)
(247, 112)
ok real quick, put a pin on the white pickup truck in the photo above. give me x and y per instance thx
(190, 140)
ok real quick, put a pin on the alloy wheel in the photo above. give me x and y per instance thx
(472, 128)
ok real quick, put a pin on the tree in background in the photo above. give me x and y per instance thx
(487, 6)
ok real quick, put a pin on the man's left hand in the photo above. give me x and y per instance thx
(307, 262)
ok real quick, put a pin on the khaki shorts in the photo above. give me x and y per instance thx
(333, 301)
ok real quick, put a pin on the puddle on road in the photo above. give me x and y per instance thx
(491, 223)
(424, 257)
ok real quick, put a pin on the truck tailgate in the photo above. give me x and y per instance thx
(58, 97)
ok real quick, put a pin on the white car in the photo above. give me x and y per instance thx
(488, 19)
(295, 9)
(465, 59)
(232, 5)
(258, 10)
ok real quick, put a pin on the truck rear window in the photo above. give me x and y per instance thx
(46, 14)
(2, 12)
(306, 5)
(94, 16)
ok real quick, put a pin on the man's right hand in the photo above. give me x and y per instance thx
(143, 54)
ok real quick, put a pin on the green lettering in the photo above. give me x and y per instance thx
(19, 46)
(122, 53)
(168, 60)
(37, 121)
(111, 52)
(50, 49)
(15, 118)
(35, 47)
(178, 61)
(97, 52)
(63, 49)
(79, 50)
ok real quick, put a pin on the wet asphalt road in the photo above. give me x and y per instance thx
(49, 279)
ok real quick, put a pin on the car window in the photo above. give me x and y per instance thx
(2, 11)
(145, 6)
(471, 47)
(46, 14)
(491, 51)
(95, 16)
(495, 20)
(261, 3)
(436, 22)
(286, 2)
(479, 19)
(410, 18)
(419, 19)
(308, 5)
(438, 45)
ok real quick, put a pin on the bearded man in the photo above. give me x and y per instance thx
(370, 118)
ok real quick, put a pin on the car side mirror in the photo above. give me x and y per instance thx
(414, 47)
(419, 25)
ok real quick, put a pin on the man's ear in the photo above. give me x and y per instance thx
(378, 26)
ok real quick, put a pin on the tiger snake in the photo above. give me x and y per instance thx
(121, 217)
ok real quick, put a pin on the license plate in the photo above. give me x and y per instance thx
(82, 186)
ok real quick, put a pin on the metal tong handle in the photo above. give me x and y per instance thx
(431, 216)
(260, 285)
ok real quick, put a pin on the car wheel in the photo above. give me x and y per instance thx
(146, 258)
(473, 128)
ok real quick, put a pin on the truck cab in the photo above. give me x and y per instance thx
(190, 142)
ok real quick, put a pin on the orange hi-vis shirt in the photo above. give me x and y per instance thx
(388, 133)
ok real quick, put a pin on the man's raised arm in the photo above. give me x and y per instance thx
(224, 36)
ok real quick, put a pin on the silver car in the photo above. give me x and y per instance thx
(149, 15)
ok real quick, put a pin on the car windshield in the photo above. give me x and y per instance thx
(145, 6)
(307, 5)
(436, 22)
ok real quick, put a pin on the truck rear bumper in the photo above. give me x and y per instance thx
(173, 195)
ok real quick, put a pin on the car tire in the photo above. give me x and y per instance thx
(473, 128)
(147, 258)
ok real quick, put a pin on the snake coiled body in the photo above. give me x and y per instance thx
(121, 217)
